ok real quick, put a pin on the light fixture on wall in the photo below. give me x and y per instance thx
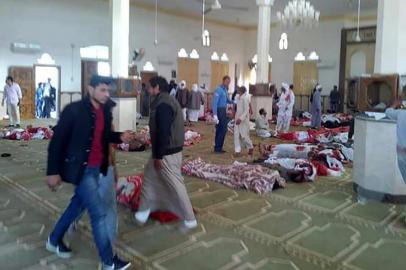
(358, 37)
(215, 57)
(95, 52)
(300, 57)
(194, 54)
(299, 13)
(224, 57)
(283, 42)
(206, 42)
(182, 53)
(103, 69)
(148, 66)
(313, 56)
(46, 59)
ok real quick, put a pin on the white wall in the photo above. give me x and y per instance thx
(55, 25)
(324, 39)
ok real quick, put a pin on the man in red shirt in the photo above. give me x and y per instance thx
(78, 153)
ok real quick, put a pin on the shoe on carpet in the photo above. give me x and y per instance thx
(18, 126)
(237, 155)
(188, 226)
(118, 264)
(220, 152)
(141, 217)
(10, 126)
(61, 250)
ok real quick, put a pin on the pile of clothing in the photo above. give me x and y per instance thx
(323, 135)
(30, 133)
(192, 137)
(255, 178)
(129, 194)
(327, 120)
(143, 140)
(302, 163)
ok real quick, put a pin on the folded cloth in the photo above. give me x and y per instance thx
(255, 178)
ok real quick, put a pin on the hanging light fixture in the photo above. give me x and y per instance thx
(205, 33)
(358, 37)
(156, 23)
(299, 13)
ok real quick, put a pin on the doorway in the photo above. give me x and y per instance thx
(47, 91)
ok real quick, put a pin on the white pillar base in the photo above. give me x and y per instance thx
(125, 114)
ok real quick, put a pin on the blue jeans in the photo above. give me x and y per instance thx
(221, 129)
(87, 197)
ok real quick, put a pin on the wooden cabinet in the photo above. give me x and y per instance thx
(305, 77)
(188, 70)
(219, 69)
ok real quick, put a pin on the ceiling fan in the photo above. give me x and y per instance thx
(216, 5)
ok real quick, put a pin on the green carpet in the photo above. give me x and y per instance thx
(306, 226)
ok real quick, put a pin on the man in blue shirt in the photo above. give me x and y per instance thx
(219, 106)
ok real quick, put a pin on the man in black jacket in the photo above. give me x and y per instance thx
(78, 153)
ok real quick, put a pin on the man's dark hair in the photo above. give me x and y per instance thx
(291, 87)
(335, 86)
(226, 78)
(96, 80)
(243, 89)
(161, 81)
(261, 111)
(10, 78)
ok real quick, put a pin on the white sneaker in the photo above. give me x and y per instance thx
(188, 226)
(61, 250)
(141, 217)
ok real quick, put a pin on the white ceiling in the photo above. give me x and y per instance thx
(249, 18)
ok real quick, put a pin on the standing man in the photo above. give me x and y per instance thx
(12, 95)
(78, 153)
(163, 187)
(334, 99)
(219, 106)
(39, 100)
(242, 123)
(285, 108)
(316, 108)
(182, 95)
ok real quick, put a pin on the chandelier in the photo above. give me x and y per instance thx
(299, 13)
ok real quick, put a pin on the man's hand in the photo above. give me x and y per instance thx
(215, 119)
(54, 181)
(238, 121)
(127, 136)
(158, 164)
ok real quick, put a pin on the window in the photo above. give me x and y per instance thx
(103, 69)
(313, 56)
(95, 52)
(182, 53)
(148, 66)
(215, 57)
(46, 59)
(224, 57)
(194, 54)
(255, 59)
(283, 42)
(300, 57)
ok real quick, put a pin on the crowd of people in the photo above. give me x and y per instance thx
(80, 151)
(45, 99)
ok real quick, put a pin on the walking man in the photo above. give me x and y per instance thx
(242, 124)
(163, 187)
(78, 153)
(12, 95)
(219, 106)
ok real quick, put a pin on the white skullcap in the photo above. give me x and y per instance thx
(285, 85)
(195, 87)
(318, 87)
(182, 84)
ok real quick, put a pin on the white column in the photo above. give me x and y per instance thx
(390, 52)
(120, 35)
(264, 33)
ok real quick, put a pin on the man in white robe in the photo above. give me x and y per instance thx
(285, 109)
(262, 125)
(242, 123)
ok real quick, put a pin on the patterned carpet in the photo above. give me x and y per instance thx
(304, 226)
